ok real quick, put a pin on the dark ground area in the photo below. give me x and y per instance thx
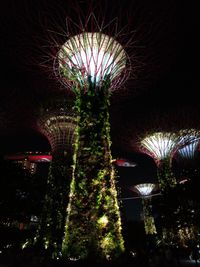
(158, 258)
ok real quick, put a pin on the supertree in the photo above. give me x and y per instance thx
(145, 192)
(156, 136)
(161, 146)
(57, 121)
(92, 63)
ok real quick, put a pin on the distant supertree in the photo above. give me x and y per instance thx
(145, 191)
(162, 146)
(160, 135)
(57, 121)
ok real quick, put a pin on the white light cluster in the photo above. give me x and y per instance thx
(145, 189)
(93, 55)
(160, 144)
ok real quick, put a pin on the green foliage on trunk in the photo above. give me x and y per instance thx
(93, 226)
(166, 176)
(51, 229)
(149, 223)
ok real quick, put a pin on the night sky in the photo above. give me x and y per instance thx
(166, 78)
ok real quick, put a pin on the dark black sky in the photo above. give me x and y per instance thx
(166, 46)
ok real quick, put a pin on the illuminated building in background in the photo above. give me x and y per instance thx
(161, 146)
(92, 63)
(145, 192)
(57, 122)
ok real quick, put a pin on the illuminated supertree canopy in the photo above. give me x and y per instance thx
(57, 122)
(145, 191)
(58, 126)
(188, 143)
(91, 56)
(162, 146)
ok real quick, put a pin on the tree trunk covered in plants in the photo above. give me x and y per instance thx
(166, 176)
(93, 226)
(51, 228)
(149, 223)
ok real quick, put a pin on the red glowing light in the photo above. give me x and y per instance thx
(124, 163)
(40, 158)
(31, 157)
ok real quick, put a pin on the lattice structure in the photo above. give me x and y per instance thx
(91, 55)
(60, 131)
(160, 145)
(58, 123)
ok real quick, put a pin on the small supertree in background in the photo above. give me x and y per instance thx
(156, 136)
(57, 122)
(161, 146)
(161, 141)
(145, 192)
